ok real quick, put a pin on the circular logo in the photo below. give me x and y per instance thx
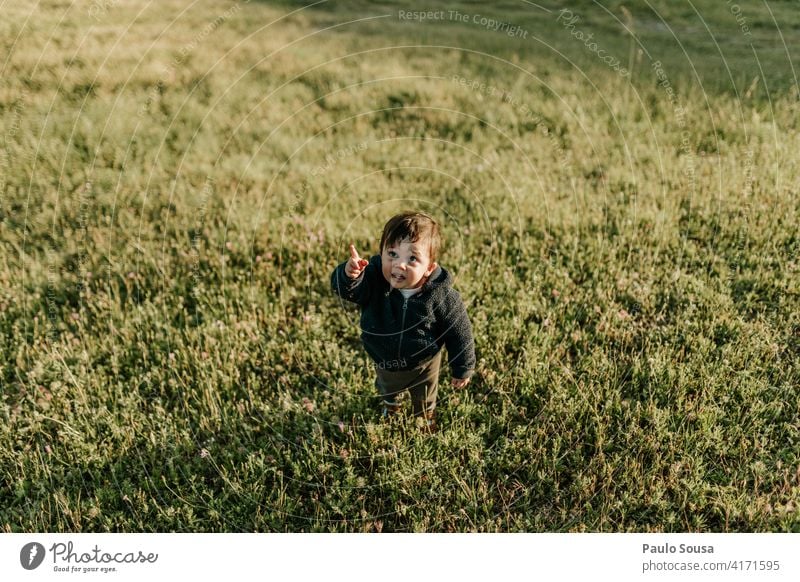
(31, 556)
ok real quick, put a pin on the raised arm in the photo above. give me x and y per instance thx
(348, 279)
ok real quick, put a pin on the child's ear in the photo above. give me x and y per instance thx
(431, 268)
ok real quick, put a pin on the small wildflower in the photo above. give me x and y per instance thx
(341, 426)
(131, 275)
(623, 314)
(172, 356)
(203, 453)
(556, 293)
(75, 316)
(308, 405)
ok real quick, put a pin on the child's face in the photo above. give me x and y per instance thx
(406, 264)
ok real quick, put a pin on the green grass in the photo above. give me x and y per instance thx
(173, 199)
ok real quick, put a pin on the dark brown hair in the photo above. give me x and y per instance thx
(414, 226)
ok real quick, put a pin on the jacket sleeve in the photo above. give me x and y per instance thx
(353, 290)
(455, 329)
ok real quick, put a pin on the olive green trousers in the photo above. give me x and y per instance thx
(422, 383)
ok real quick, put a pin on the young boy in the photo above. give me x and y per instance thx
(409, 311)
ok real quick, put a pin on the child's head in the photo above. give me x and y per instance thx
(409, 249)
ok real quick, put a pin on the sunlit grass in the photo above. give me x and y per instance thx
(178, 185)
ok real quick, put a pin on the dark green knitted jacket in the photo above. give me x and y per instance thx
(400, 333)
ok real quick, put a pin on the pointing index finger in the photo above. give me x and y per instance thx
(354, 253)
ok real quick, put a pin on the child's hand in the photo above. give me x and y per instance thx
(460, 382)
(355, 264)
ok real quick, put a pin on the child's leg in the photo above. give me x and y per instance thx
(426, 388)
(389, 389)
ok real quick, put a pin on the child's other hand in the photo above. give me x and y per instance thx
(459, 382)
(355, 264)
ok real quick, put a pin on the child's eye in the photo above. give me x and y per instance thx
(413, 259)
(392, 254)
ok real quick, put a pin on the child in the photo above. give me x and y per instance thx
(409, 310)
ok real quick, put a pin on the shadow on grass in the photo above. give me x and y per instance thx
(704, 45)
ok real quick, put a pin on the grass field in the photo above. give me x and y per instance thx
(178, 180)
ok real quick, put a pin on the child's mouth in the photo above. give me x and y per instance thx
(398, 278)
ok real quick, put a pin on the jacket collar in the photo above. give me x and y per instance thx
(438, 278)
